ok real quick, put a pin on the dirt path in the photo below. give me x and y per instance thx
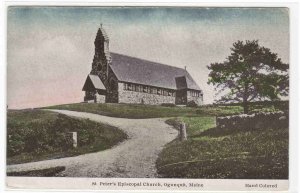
(134, 157)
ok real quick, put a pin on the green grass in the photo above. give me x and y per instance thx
(209, 152)
(195, 125)
(138, 111)
(34, 135)
(229, 154)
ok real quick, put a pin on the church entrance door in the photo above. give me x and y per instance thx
(181, 97)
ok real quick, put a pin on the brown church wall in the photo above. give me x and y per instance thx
(126, 96)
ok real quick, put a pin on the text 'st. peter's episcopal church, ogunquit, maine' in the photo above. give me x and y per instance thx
(116, 78)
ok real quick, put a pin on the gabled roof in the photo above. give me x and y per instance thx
(135, 70)
(94, 82)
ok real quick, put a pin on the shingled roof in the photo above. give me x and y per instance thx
(93, 81)
(135, 70)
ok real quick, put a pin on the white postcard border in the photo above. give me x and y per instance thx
(149, 184)
(60, 184)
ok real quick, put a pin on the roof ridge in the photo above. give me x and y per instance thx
(148, 61)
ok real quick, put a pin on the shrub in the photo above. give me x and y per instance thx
(192, 104)
(168, 105)
(15, 144)
(33, 135)
(200, 111)
(277, 119)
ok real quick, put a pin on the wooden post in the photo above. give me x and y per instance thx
(74, 138)
(183, 135)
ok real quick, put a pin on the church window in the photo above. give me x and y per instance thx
(159, 91)
(145, 88)
(99, 67)
(137, 88)
(193, 93)
(154, 91)
(164, 92)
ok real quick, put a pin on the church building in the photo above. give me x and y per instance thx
(117, 78)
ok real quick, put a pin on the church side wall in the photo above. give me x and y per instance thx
(126, 96)
(197, 99)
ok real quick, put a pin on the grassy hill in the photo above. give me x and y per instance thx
(138, 111)
(208, 153)
(34, 135)
(212, 153)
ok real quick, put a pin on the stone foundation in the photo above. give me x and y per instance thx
(99, 98)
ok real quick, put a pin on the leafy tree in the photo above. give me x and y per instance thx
(251, 73)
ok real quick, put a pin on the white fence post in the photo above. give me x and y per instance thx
(74, 139)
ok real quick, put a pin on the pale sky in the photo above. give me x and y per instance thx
(50, 49)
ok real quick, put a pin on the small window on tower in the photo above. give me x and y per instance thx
(99, 67)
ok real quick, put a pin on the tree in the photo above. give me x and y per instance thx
(250, 73)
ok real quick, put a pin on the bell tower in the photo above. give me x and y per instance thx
(102, 58)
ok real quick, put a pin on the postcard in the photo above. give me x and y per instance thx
(156, 98)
